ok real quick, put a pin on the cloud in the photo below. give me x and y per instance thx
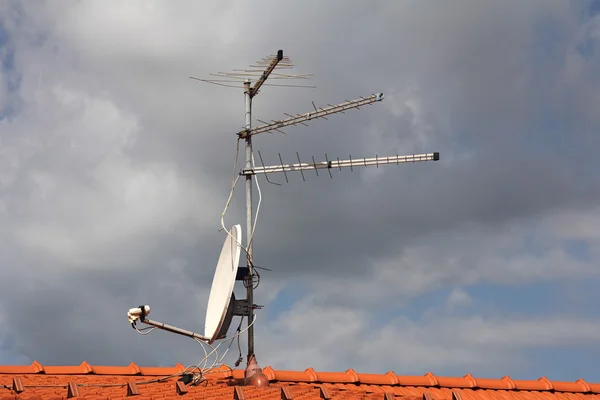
(83, 190)
(407, 346)
(115, 167)
(458, 298)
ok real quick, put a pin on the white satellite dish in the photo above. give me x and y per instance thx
(221, 306)
(221, 292)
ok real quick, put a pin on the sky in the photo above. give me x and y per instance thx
(115, 168)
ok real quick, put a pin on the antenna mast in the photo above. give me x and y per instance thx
(249, 93)
(249, 278)
(266, 68)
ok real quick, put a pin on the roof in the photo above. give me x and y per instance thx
(89, 382)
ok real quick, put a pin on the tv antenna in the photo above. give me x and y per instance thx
(225, 306)
(268, 66)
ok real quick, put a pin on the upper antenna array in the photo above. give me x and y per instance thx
(317, 113)
(260, 70)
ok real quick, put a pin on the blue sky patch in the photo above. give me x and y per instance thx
(578, 249)
(594, 8)
(537, 299)
(285, 299)
(13, 77)
(551, 357)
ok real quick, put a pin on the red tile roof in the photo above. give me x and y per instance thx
(38, 382)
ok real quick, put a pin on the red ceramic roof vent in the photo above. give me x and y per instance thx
(253, 374)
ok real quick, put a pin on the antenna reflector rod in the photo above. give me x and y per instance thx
(299, 163)
(318, 113)
(329, 164)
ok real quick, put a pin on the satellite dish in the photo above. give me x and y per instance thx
(228, 318)
(219, 311)
(221, 302)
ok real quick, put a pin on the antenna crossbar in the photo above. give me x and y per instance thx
(350, 163)
(267, 68)
(318, 113)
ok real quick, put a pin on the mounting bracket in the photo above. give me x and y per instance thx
(242, 273)
(241, 308)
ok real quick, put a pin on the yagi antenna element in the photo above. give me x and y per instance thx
(254, 89)
(317, 113)
(268, 67)
(339, 164)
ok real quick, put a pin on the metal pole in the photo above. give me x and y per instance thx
(249, 281)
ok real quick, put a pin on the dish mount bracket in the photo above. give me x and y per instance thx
(242, 273)
(241, 308)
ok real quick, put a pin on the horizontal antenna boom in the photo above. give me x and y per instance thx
(359, 162)
(318, 113)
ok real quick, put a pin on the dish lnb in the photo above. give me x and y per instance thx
(222, 305)
(136, 313)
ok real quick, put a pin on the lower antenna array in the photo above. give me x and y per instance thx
(339, 164)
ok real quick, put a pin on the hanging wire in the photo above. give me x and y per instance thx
(235, 178)
(199, 370)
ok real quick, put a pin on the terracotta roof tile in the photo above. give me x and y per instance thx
(88, 382)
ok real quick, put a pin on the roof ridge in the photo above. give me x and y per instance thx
(543, 384)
